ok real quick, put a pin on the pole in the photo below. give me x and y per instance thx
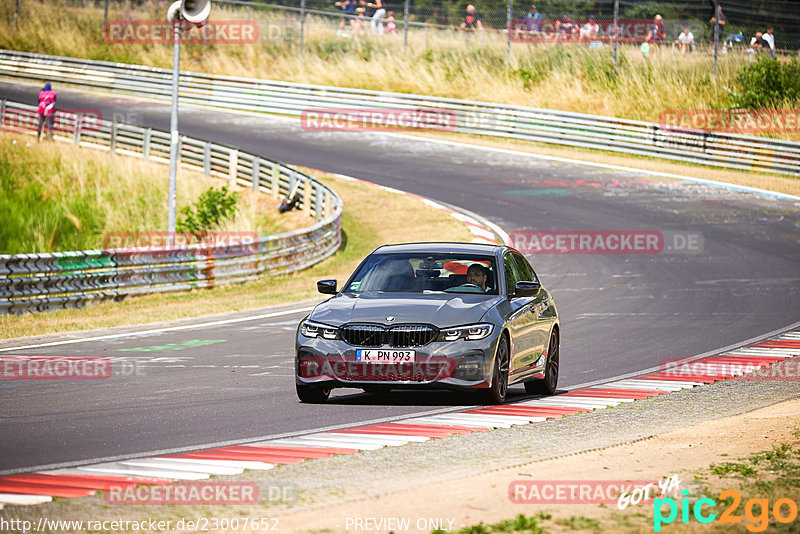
(173, 127)
(508, 31)
(302, 25)
(105, 15)
(716, 35)
(616, 29)
(16, 15)
(405, 23)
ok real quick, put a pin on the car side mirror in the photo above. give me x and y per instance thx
(527, 289)
(326, 287)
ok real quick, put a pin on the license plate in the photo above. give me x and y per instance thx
(384, 356)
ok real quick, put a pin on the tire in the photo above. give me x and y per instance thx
(496, 394)
(313, 394)
(547, 386)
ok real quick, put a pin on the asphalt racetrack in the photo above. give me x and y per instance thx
(620, 313)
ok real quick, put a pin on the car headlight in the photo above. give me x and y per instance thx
(471, 331)
(312, 329)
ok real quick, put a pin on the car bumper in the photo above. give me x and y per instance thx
(458, 365)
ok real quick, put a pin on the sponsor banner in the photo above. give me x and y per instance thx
(162, 32)
(548, 31)
(189, 493)
(64, 120)
(743, 121)
(54, 368)
(606, 242)
(578, 491)
(372, 119)
(161, 241)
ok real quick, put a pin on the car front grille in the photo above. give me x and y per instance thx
(401, 336)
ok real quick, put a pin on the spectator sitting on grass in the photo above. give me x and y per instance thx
(565, 29)
(349, 7)
(472, 20)
(391, 27)
(531, 23)
(685, 41)
(656, 33)
(589, 30)
(757, 45)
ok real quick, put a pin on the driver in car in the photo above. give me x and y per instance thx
(476, 275)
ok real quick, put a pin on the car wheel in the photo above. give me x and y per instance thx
(547, 386)
(497, 393)
(313, 394)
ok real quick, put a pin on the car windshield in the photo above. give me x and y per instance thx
(424, 273)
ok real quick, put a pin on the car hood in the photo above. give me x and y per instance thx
(441, 310)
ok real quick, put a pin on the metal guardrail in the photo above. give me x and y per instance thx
(49, 281)
(499, 120)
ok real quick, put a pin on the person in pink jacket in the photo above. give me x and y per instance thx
(46, 112)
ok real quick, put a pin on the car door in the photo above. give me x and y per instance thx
(541, 317)
(519, 322)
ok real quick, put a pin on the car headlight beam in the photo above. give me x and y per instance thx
(312, 329)
(471, 332)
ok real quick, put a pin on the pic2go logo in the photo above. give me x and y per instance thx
(756, 511)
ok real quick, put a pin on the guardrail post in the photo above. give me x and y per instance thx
(256, 170)
(78, 120)
(328, 204)
(306, 198)
(2, 113)
(146, 144)
(233, 167)
(276, 176)
(207, 159)
(318, 199)
(112, 142)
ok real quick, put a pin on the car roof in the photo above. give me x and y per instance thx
(457, 248)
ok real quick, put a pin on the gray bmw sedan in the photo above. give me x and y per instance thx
(460, 316)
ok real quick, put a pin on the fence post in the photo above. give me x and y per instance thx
(105, 15)
(78, 120)
(302, 26)
(146, 144)
(16, 16)
(256, 170)
(233, 166)
(616, 29)
(716, 35)
(112, 138)
(508, 31)
(405, 23)
(276, 176)
(207, 158)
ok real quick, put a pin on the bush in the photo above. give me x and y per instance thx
(767, 83)
(212, 208)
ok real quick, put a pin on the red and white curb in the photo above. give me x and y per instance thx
(482, 231)
(43, 486)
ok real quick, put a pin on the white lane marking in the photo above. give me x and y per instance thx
(324, 443)
(239, 464)
(766, 351)
(568, 403)
(651, 385)
(24, 500)
(447, 421)
(131, 471)
(167, 463)
(376, 438)
(505, 421)
(160, 330)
